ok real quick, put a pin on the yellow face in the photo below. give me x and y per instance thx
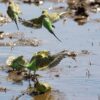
(11, 2)
(43, 53)
(44, 12)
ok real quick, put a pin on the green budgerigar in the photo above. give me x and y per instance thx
(17, 62)
(49, 26)
(13, 12)
(42, 87)
(32, 66)
(54, 16)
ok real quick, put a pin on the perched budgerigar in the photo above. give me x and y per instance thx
(49, 26)
(13, 12)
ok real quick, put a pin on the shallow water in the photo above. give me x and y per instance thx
(80, 81)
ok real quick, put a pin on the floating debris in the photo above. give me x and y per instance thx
(4, 1)
(1, 35)
(85, 52)
(72, 3)
(13, 35)
(81, 15)
(57, 75)
(36, 2)
(3, 89)
(27, 42)
(58, 9)
(15, 76)
(56, 1)
(4, 20)
(88, 74)
(28, 1)
(22, 42)
(95, 6)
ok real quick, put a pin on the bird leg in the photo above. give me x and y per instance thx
(29, 78)
(35, 77)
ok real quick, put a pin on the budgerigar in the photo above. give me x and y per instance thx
(49, 26)
(13, 12)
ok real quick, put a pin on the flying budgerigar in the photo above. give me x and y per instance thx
(49, 26)
(13, 12)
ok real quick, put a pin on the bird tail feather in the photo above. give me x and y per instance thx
(55, 35)
(16, 24)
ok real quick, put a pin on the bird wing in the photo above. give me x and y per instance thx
(10, 12)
